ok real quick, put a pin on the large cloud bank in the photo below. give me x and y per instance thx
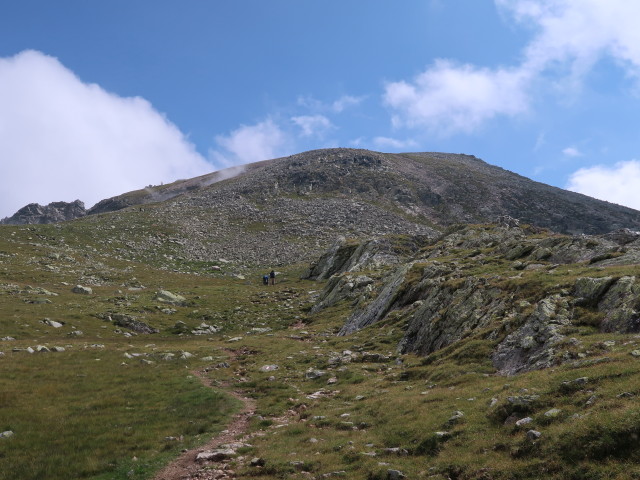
(570, 37)
(62, 139)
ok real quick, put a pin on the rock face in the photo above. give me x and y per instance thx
(482, 281)
(54, 212)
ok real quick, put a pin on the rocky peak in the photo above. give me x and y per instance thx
(54, 212)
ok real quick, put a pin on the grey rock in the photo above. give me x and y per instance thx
(312, 374)
(588, 291)
(82, 290)
(533, 435)
(619, 304)
(130, 322)
(553, 413)
(216, 455)
(35, 213)
(523, 400)
(269, 368)
(165, 296)
(6, 434)
(454, 419)
(532, 346)
(395, 474)
(524, 421)
(52, 323)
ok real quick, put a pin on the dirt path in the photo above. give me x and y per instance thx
(185, 467)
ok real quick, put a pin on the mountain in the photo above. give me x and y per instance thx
(368, 192)
(288, 209)
(394, 343)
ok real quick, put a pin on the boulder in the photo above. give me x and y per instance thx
(588, 291)
(216, 455)
(82, 290)
(533, 435)
(128, 321)
(52, 323)
(165, 296)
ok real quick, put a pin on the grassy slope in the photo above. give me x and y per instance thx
(92, 412)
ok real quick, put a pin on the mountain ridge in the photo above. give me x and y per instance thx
(291, 208)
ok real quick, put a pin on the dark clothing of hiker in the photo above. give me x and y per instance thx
(273, 277)
(265, 279)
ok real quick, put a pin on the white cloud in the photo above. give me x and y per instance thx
(570, 37)
(345, 102)
(572, 152)
(62, 139)
(251, 143)
(337, 106)
(313, 125)
(578, 32)
(449, 97)
(393, 143)
(617, 184)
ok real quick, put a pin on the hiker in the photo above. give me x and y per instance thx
(273, 277)
(265, 279)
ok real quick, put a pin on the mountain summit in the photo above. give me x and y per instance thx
(288, 208)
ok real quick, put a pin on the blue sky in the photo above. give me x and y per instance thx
(99, 98)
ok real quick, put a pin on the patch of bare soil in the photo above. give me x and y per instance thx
(186, 467)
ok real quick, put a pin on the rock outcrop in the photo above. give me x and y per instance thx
(490, 282)
(54, 212)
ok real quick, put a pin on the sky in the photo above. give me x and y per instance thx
(101, 98)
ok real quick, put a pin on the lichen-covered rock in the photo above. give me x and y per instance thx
(588, 291)
(621, 305)
(533, 345)
(82, 290)
(128, 321)
(165, 296)
(449, 312)
(463, 285)
(380, 306)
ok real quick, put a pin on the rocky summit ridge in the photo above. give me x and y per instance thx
(426, 189)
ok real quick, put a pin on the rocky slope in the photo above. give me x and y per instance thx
(290, 209)
(52, 213)
(525, 291)
(316, 196)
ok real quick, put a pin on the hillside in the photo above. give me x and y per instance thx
(288, 209)
(394, 344)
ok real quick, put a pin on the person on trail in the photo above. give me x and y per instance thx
(265, 279)
(272, 275)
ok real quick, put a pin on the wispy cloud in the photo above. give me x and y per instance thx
(313, 125)
(251, 143)
(572, 152)
(63, 139)
(616, 184)
(345, 102)
(393, 143)
(337, 106)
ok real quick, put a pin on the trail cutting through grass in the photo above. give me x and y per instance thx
(186, 467)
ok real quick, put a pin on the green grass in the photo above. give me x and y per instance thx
(105, 412)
